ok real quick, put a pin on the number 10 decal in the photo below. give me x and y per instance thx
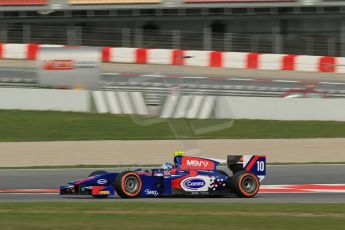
(255, 163)
(260, 169)
(260, 166)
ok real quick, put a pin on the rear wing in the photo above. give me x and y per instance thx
(253, 163)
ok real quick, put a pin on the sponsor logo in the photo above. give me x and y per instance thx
(151, 192)
(194, 184)
(103, 193)
(102, 181)
(197, 163)
(58, 65)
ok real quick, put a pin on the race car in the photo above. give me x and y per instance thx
(187, 176)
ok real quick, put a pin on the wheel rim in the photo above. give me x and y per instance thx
(249, 184)
(131, 184)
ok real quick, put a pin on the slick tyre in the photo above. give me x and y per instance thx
(245, 184)
(99, 172)
(128, 184)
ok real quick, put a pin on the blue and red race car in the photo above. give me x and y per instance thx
(196, 176)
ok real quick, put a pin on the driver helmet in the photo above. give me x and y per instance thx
(178, 158)
(167, 166)
(178, 153)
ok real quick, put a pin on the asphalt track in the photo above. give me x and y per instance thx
(300, 175)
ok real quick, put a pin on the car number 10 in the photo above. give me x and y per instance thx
(260, 165)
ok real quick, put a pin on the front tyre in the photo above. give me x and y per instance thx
(245, 184)
(128, 184)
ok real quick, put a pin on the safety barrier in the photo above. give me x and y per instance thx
(45, 99)
(175, 106)
(195, 58)
(317, 109)
(265, 108)
(119, 102)
(191, 107)
(73, 100)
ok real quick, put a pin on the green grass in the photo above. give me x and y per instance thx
(151, 215)
(59, 126)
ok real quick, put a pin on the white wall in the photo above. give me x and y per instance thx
(280, 108)
(45, 99)
(221, 107)
(73, 100)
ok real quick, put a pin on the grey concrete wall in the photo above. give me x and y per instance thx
(224, 107)
(45, 99)
(73, 100)
(280, 108)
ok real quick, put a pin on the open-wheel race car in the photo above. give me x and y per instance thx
(196, 176)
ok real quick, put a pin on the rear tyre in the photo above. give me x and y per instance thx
(244, 184)
(128, 184)
(99, 172)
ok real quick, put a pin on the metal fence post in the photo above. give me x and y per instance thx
(3, 33)
(78, 32)
(138, 38)
(26, 33)
(228, 42)
(74, 35)
(342, 39)
(331, 42)
(254, 43)
(176, 39)
(69, 35)
(126, 39)
(277, 40)
(309, 46)
(207, 38)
